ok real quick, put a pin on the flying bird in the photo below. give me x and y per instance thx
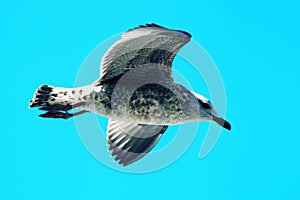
(135, 91)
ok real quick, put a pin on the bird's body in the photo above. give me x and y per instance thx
(150, 104)
(136, 91)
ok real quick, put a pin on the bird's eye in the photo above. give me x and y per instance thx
(205, 105)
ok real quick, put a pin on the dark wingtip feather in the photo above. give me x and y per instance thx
(158, 26)
(184, 32)
(148, 25)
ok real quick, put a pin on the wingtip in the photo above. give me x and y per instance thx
(184, 32)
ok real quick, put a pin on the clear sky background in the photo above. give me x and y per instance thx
(255, 45)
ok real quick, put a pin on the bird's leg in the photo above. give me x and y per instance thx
(56, 111)
(62, 115)
(57, 107)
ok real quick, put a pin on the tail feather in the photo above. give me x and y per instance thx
(57, 101)
(52, 98)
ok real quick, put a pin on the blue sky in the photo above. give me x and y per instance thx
(255, 45)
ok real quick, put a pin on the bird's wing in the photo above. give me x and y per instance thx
(145, 44)
(130, 141)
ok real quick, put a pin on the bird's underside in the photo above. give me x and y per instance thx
(135, 90)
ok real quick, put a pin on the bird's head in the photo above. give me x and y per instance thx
(207, 111)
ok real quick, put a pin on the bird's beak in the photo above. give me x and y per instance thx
(221, 122)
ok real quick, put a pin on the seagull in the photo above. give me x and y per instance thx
(135, 91)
